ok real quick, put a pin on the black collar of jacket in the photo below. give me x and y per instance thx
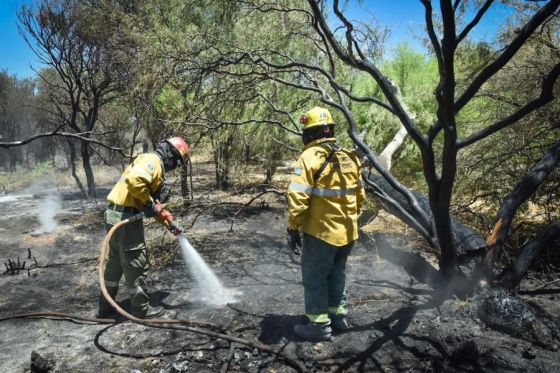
(319, 142)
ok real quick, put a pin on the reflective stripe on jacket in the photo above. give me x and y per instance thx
(327, 208)
(140, 179)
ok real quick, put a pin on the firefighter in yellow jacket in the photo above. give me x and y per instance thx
(140, 189)
(324, 199)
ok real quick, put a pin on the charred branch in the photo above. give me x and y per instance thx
(372, 70)
(512, 275)
(83, 136)
(465, 239)
(474, 21)
(423, 220)
(546, 96)
(537, 20)
(431, 31)
(524, 189)
(13, 267)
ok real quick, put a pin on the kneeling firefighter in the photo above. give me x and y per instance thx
(140, 189)
(325, 196)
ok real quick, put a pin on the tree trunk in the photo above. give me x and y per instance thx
(13, 160)
(186, 190)
(222, 165)
(86, 163)
(72, 162)
(269, 174)
(448, 256)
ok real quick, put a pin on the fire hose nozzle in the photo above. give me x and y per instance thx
(175, 227)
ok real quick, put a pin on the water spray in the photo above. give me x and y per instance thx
(209, 288)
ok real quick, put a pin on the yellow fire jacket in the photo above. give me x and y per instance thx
(326, 208)
(140, 179)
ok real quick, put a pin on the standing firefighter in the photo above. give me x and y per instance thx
(140, 189)
(324, 199)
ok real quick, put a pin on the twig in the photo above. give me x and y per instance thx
(227, 361)
(205, 208)
(78, 136)
(441, 338)
(548, 283)
(281, 193)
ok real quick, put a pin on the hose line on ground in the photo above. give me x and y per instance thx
(168, 323)
(154, 323)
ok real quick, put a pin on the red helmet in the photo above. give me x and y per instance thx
(181, 146)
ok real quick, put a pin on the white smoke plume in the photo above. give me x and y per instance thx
(49, 206)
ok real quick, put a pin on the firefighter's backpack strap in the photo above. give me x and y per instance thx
(335, 148)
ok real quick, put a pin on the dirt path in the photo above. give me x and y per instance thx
(400, 320)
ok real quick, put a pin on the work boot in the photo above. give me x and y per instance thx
(339, 323)
(314, 332)
(106, 314)
(148, 313)
(104, 309)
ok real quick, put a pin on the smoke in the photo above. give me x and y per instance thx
(423, 268)
(49, 206)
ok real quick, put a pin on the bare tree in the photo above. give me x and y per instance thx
(343, 43)
(89, 72)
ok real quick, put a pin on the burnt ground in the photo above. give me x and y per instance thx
(402, 316)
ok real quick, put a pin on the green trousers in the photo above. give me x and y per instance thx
(323, 268)
(128, 256)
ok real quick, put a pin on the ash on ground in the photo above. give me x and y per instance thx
(401, 317)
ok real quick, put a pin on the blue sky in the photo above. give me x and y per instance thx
(402, 17)
(15, 54)
(405, 19)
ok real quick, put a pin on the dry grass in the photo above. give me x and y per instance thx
(14, 181)
(39, 241)
(45, 172)
(103, 175)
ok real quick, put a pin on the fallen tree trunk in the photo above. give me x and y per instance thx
(468, 242)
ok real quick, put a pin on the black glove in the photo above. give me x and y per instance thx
(294, 240)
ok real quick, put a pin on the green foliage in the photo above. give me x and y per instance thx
(199, 71)
(170, 103)
(416, 75)
(489, 170)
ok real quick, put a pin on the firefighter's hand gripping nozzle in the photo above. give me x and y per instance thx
(157, 210)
